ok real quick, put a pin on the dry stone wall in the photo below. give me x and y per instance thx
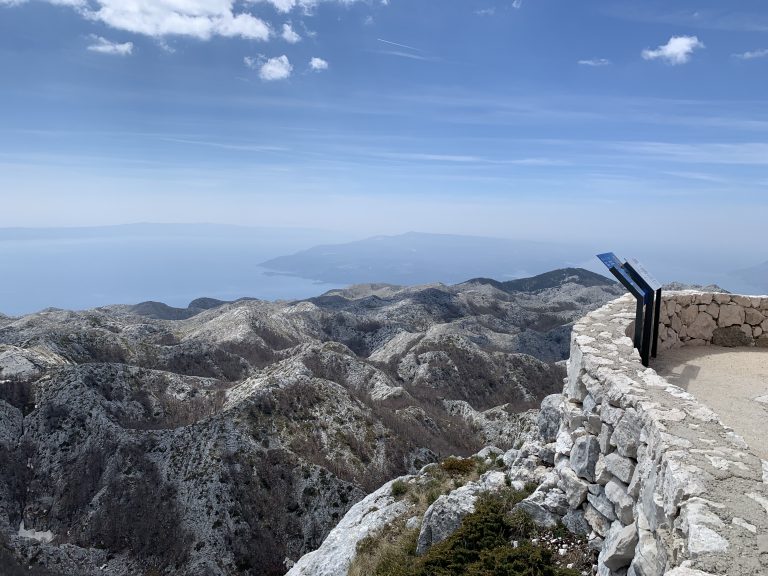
(660, 484)
(698, 319)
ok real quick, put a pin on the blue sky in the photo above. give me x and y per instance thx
(499, 117)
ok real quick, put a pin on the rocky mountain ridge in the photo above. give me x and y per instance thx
(226, 438)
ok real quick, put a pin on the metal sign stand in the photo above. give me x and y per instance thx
(647, 291)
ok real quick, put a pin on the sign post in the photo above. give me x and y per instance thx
(647, 291)
(638, 271)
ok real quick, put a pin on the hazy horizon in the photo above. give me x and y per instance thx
(602, 125)
(77, 268)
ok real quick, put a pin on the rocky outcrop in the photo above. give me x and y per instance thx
(444, 515)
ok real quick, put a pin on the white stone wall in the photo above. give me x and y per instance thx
(698, 319)
(664, 486)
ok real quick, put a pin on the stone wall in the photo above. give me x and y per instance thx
(660, 483)
(697, 319)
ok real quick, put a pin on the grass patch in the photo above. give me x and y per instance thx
(399, 488)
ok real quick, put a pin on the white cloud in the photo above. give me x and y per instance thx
(289, 34)
(486, 11)
(196, 18)
(201, 19)
(753, 54)
(318, 64)
(278, 68)
(677, 51)
(104, 46)
(517, 3)
(595, 62)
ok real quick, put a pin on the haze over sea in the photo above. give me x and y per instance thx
(76, 268)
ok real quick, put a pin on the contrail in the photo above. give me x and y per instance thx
(400, 45)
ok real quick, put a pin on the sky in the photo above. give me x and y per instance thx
(512, 118)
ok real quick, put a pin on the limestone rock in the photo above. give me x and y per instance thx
(584, 456)
(621, 467)
(619, 546)
(753, 317)
(550, 415)
(574, 487)
(444, 516)
(576, 523)
(601, 503)
(702, 327)
(616, 492)
(599, 523)
(338, 549)
(730, 337)
(564, 443)
(649, 559)
(540, 515)
(731, 315)
(626, 436)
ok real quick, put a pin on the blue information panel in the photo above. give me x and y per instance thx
(613, 263)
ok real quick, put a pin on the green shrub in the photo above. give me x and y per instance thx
(480, 547)
(399, 488)
(458, 465)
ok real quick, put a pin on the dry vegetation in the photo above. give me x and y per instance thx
(493, 541)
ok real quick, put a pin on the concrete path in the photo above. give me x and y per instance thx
(731, 381)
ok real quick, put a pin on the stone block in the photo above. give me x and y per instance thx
(575, 388)
(616, 492)
(610, 414)
(593, 424)
(572, 415)
(550, 415)
(602, 475)
(731, 315)
(575, 488)
(731, 337)
(705, 298)
(547, 453)
(619, 546)
(584, 456)
(650, 559)
(599, 523)
(689, 314)
(702, 327)
(753, 317)
(601, 503)
(604, 438)
(577, 523)
(619, 466)
(722, 298)
(745, 301)
(540, 515)
(626, 435)
(564, 443)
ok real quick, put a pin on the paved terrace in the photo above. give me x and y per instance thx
(731, 381)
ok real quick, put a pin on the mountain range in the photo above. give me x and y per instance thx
(230, 437)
